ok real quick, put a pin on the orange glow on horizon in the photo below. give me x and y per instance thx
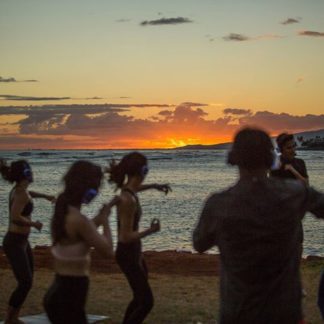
(87, 143)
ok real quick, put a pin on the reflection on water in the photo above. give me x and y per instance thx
(193, 175)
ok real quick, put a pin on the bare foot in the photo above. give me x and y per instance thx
(14, 321)
(19, 321)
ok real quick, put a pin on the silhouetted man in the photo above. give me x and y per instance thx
(255, 225)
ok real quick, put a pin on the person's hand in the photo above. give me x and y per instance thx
(289, 167)
(164, 187)
(51, 199)
(38, 225)
(155, 225)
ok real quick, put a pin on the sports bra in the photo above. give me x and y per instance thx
(72, 259)
(28, 208)
(72, 252)
(138, 212)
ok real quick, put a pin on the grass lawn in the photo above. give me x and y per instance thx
(178, 299)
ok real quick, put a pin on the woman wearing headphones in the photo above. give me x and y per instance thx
(73, 235)
(15, 242)
(128, 175)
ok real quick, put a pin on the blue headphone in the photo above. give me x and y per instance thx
(27, 172)
(144, 170)
(89, 195)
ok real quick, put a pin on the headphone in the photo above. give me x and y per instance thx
(89, 195)
(144, 170)
(27, 172)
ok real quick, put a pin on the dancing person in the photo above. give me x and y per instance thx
(290, 167)
(15, 242)
(320, 295)
(73, 235)
(255, 225)
(128, 175)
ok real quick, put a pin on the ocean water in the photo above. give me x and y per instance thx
(193, 175)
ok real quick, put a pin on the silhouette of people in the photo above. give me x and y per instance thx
(128, 175)
(15, 243)
(73, 235)
(291, 167)
(255, 225)
(320, 298)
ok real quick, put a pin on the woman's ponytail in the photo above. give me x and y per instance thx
(116, 173)
(5, 171)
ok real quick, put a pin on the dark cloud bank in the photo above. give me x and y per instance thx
(166, 21)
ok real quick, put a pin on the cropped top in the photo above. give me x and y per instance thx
(72, 252)
(138, 212)
(72, 259)
(28, 208)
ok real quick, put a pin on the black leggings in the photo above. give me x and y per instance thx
(65, 300)
(129, 258)
(20, 256)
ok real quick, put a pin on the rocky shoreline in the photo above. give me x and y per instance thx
(165, 262)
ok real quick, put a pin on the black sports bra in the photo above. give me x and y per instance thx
(28, 209)
(138, 212)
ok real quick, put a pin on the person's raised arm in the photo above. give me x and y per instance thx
(105, 210)
(160, 187)
(35, 194)
(314, 202)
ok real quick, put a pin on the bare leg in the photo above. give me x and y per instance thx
(12, 316)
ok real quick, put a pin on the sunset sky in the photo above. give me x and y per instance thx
(157, 74)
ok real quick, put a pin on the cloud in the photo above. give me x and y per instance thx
(27, 98)
(300, 80)
(310, 33)
(275, 122)
(236, 37)
(166, 113)
(9, 80)
(114, 126)
(166, 21)
(267, 37)
(94, 98)
(73, 109)
(290, 21)
(123, 20)
(242, 38)
(194, 104)
(237, 111)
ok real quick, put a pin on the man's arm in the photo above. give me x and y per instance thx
(205, 235)
(315, 202)
(297, 174)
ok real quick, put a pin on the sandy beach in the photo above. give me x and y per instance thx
(185, 286)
